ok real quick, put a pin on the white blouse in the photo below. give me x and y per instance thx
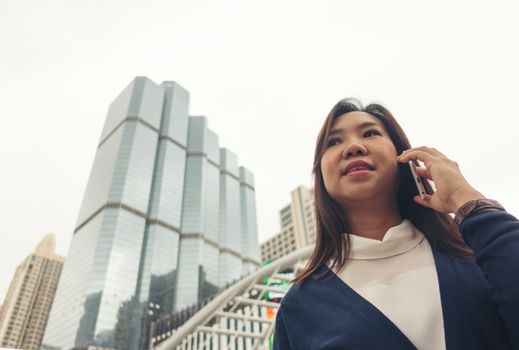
(398, 276)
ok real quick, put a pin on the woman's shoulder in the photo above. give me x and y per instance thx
(310, 288)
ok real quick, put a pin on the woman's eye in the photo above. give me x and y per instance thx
(371, 132)
(333, 142)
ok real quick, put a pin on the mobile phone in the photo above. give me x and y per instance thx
(417, 179)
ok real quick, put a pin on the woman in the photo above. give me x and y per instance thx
(391, 270)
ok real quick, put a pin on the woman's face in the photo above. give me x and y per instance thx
(358, 136)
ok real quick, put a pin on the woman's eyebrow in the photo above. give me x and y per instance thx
(360, 126)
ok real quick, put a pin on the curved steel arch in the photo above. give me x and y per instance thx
(241, 317)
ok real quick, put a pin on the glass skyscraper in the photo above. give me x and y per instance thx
(168, 217)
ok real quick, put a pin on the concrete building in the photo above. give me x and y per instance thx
(297, 221)
(167, 218)
(27, 305)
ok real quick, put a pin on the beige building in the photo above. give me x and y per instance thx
(297, 221)
(26, 307)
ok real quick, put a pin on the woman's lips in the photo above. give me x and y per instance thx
(359, 172)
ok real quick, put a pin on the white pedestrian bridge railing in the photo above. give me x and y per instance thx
(241, 317)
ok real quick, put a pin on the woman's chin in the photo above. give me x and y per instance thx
(362, 194)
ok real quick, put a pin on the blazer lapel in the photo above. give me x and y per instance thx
(457, 331)
(391, 335)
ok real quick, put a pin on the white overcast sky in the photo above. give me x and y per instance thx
(265, 73)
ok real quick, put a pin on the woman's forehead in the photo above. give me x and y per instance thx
(355, 119)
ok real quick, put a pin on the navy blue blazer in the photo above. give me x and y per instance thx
(479, 296)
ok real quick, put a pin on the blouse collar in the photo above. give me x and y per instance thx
(398, 239)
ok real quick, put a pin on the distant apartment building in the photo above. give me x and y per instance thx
(26, 308)
(297, 221)
(167, 219)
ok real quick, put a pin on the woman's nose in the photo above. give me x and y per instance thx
(354, 148)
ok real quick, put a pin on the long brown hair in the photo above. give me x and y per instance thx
(331, 242)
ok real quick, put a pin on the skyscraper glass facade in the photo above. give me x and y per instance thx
(161, 225)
